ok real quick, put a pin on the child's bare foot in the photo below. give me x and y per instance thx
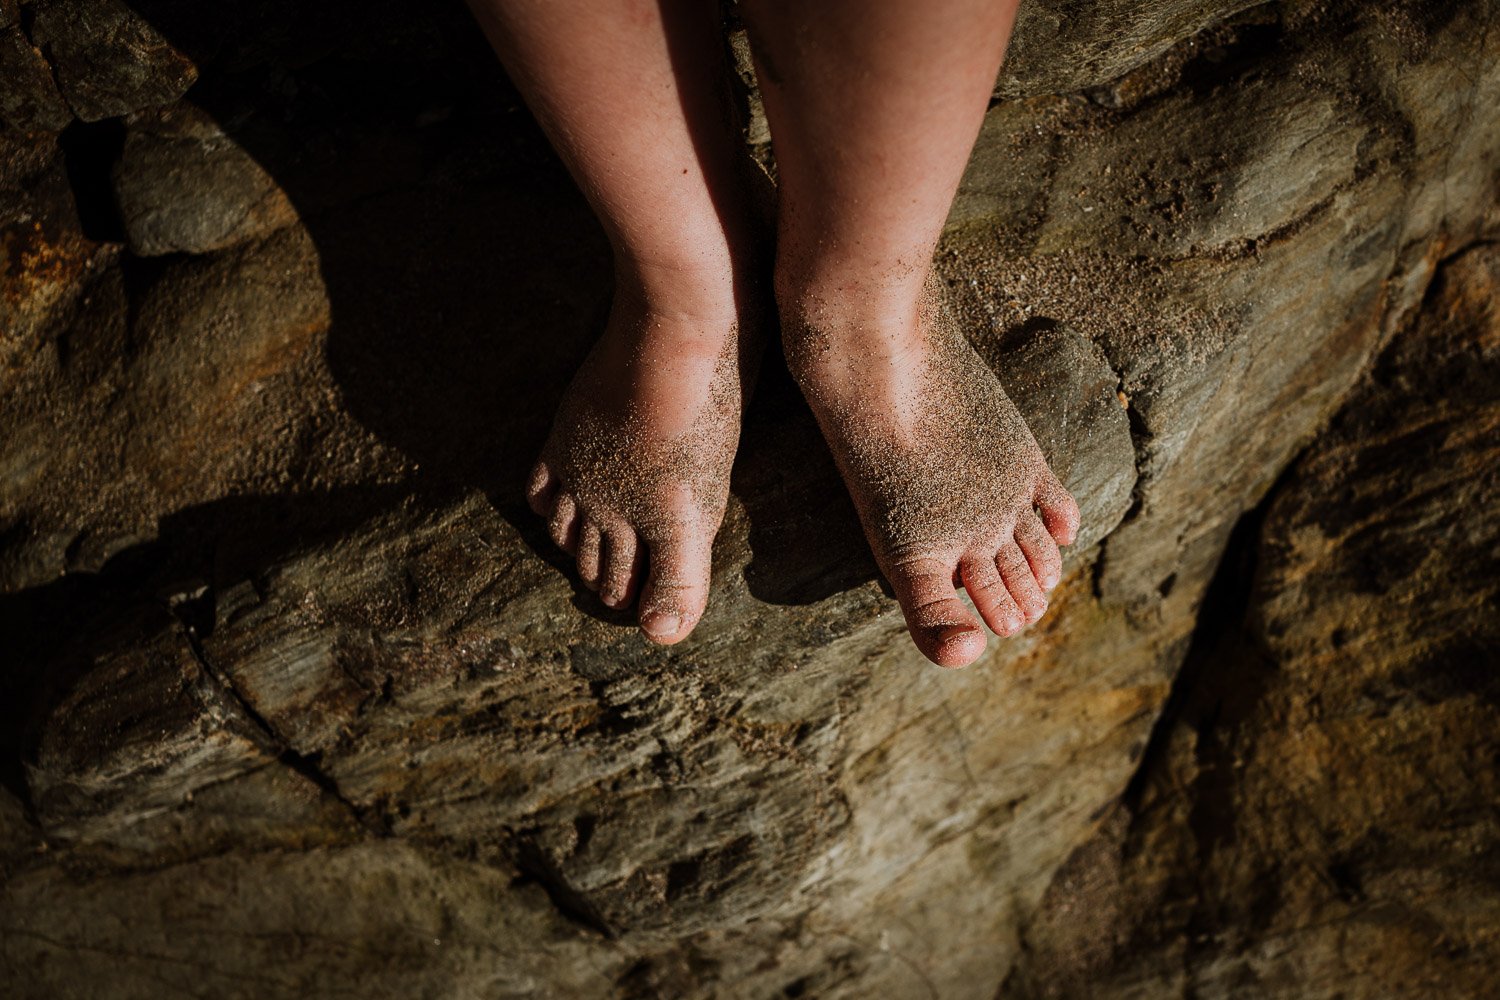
(634, 478)
(949, 482)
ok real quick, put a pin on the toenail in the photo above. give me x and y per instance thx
(953, 632)
(662, 626)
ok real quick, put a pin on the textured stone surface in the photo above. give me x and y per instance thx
(1321, 822)
(107, 58)
(1074, 45)
(182, 185)
(30, 101)
(298, 700)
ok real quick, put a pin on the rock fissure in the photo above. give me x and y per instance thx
(305, 765)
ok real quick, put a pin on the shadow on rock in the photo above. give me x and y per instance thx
(465, 274)
(58, 631)
(804, 536)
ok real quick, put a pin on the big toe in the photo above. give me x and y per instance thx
(941, 625)
(676, 590)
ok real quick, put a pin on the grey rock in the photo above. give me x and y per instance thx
(1340, 814)
(419, 924)
(1064, 383)
(108, 59)
(30, 101)
(1060, 48)
(182, 185)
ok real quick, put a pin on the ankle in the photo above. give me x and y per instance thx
(710, 280)
(831, 332)
(695, 289)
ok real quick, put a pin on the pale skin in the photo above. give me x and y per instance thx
(873, 106)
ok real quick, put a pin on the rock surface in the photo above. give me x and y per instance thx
(298, 701)
(30, 101)
(107, 57)
(183, 186)
(1320, 819)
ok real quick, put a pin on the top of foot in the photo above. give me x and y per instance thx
(634, 478)
(949, 482)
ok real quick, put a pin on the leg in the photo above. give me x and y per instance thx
(874, 107)
(636, 471)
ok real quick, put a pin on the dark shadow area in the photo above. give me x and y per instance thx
(467, 278)
(466, 273)
(805, 540)
(58, 632)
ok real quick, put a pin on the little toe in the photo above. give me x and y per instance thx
(1040, 551)
(590, 553)
(1059, 512)
(941, 626)
(621, 570)
(990, 595)
(676, 588)
(563, 526)
(1016, 571)
(541, 487)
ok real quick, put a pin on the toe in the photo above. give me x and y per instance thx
(1040, 551)
(621, 567)
(541, 487)
(590, 546)
(941, 626)
(1016, 572)
(1059, 512)
(563, 527)
(676, 589)
(990, 595)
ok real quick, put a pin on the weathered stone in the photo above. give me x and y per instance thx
(416, 923)
(156, 750)
(1061, 48)
(182, 185)
(1070, 395)
(1244, 234)
(309, 444)
(142, 732)
(45, 260)
(107, 58)
(29, 100)
(1325, 802)
(19, 838)
(218, 386)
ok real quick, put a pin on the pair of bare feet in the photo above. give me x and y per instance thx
(948, 480)
(873, 107)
